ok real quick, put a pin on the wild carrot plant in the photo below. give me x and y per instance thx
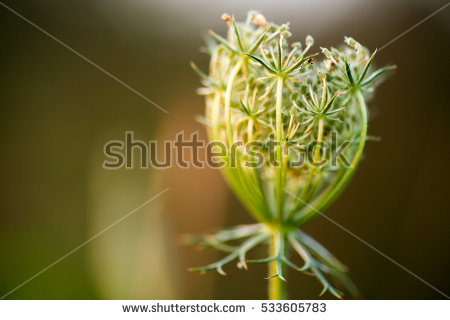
(277, 100)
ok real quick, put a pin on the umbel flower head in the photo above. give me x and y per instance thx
(295, 124)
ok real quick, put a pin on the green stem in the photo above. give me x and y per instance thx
(337, 190)
(231, 178)
(228, 91)
(250, 130)
(277, 287)
(302, 198)
(215, 115)
(279, 187)
(315, 158)
(240, 176)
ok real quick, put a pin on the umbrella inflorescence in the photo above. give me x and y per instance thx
(280, 99)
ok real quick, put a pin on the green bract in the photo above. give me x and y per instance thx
(281, 100)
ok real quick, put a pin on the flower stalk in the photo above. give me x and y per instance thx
(276, 284)
(279, 152)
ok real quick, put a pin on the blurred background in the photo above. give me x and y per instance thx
(57, 112)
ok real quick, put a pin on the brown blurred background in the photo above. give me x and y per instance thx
(57, 112)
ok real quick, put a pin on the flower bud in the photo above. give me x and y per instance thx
(259, 20)
(225, 17)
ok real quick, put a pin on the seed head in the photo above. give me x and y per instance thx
(293, 107)
(260, 89)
